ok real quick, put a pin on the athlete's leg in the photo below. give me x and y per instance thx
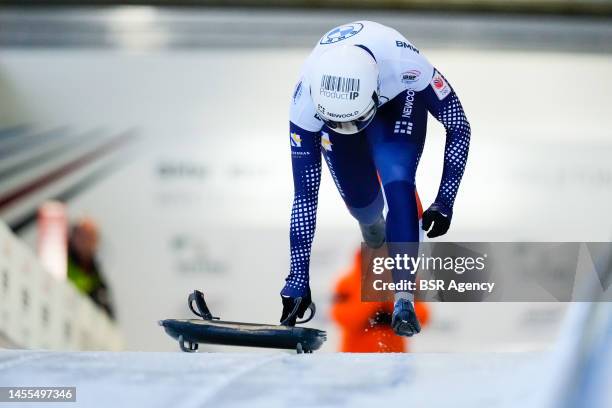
(397, 136)
(351, 165)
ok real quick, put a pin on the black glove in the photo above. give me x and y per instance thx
(438, 215)
(288, 317)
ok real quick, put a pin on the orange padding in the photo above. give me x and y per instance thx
(353, 317)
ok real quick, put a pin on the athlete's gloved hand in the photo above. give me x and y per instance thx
(290, 315)
(438, 215)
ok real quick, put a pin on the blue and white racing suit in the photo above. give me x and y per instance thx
(409, 87)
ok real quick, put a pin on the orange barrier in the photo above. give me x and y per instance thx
(363, 323)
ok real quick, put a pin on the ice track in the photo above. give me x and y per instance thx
(281, 379)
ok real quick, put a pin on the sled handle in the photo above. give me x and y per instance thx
(203, 311)
(310, 307)
(313, 309)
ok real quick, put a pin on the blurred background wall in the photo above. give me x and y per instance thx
(571, 7)
(168, 126)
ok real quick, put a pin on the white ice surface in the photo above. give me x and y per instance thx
(282, 379)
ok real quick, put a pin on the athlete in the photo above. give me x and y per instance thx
(361, 102)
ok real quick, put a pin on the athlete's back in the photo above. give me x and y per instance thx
(400, 63)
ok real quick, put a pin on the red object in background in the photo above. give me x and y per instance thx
(53, 238)
(354, 317)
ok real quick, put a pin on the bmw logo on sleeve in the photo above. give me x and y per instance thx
(341, 33)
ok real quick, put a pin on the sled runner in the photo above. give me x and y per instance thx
(210, 330)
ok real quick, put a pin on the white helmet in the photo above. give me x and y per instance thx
(344, 88)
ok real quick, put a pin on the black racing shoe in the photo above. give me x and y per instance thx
(404, 320)
(294, 308)
(374, 234)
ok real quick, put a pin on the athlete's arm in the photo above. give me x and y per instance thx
(445, 106)
(306, 163)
